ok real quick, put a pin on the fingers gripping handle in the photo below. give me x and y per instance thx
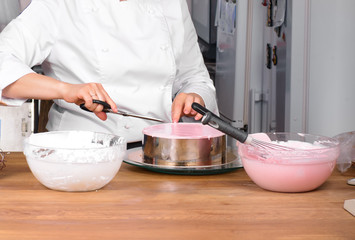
(105, 104)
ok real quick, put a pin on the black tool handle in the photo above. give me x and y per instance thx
(105, 104)
(216, 122)
(199, 108)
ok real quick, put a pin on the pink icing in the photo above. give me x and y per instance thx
(289, 178)
(303, 169)
(182, 131)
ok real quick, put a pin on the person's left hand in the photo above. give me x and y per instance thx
(182, 106)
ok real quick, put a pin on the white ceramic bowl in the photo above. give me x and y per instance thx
(74, 160)
(300, 170)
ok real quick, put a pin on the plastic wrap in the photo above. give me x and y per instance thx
(347, 150)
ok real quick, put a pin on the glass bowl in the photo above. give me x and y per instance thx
(304, 168)
(74, 160)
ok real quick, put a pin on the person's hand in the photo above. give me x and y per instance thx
(182, 106)
(38, 86)
(85, 93)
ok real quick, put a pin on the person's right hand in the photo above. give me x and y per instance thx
(182, 106)
(85, 93)
(38, 86)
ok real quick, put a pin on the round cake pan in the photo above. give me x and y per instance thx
(184, 144)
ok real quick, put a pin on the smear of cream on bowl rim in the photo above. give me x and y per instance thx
(182, 131)
(66, 140)
(303, 152)
(290, 143)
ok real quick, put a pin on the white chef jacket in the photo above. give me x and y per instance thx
(143, 52)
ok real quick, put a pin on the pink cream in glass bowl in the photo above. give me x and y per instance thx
(304, 168)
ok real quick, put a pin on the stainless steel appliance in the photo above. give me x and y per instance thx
(203, 14)
(15, 125)
(9, 9)
(286, 65)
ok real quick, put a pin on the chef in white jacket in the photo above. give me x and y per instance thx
(140, 56)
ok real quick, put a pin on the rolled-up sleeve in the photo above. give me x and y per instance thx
(26, 42)
(11, 69)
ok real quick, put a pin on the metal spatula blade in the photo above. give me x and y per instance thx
(107, 109)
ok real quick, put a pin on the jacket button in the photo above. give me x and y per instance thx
(164, 47)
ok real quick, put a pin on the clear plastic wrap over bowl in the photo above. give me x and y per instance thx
(74, 160)
(297, 170)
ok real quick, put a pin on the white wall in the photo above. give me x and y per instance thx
(322, 69)
(331, 107)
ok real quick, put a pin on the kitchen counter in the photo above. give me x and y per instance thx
(140, 204)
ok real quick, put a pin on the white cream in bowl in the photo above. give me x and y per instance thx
(74, 160)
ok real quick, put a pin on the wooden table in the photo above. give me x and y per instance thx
(139, 204)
